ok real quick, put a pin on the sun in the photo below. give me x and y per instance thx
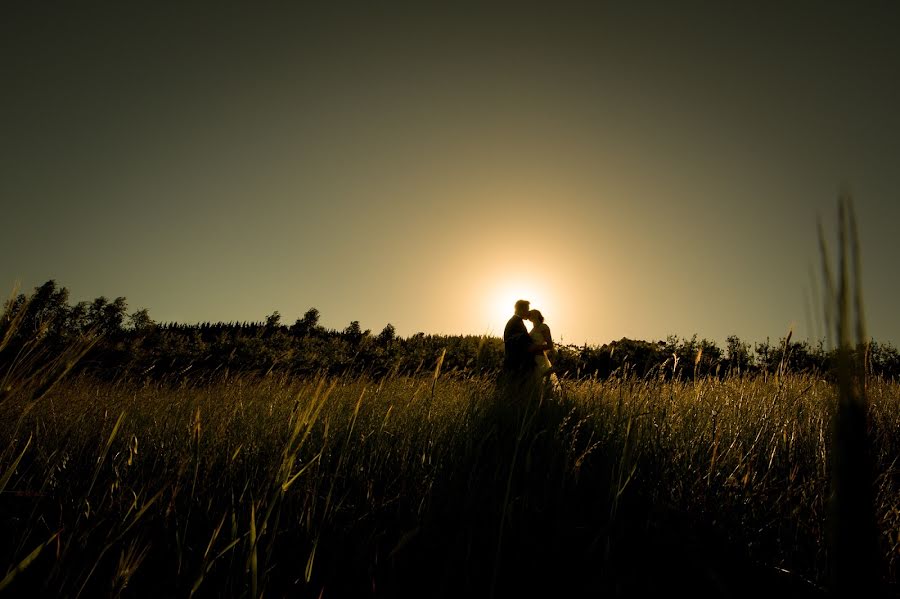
(494, 291)
(503, 296)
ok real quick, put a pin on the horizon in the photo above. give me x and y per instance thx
(288, 321)
(634, 171)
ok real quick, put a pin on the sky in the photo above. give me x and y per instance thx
(635, 169)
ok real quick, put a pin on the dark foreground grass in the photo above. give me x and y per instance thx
(271, 486)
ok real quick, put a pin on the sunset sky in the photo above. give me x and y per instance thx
(634, 169)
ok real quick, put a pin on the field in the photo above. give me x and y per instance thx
(437, 485)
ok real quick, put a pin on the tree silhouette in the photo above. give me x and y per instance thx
(354, 334)
(140, 320)
(107, 317)
(738, 353)
(273, 320)
(387, 335)
(48, 309)
(307, 325)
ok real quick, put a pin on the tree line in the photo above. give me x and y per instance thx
(121, 343)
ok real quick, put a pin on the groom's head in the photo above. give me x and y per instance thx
(522, 308)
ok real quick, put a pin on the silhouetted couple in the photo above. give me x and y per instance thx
(525, 358)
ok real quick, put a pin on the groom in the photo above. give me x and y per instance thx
(518, 348)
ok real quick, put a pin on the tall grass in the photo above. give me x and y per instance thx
(249, 486)
(853, 531)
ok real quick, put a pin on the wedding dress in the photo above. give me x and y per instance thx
(540, 333)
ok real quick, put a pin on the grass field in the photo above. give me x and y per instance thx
(431, 486)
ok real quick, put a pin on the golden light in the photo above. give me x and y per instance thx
(503, 294)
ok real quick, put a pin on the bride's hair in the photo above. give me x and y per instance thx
(535, 315)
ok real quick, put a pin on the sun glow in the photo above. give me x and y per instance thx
(540, 279)
(502, 299)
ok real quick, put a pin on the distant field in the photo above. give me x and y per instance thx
(427, 486)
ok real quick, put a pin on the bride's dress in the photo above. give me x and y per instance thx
(540, 333)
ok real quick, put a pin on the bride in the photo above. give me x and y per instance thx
(540, 334)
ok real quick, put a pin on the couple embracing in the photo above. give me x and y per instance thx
(525, 353)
